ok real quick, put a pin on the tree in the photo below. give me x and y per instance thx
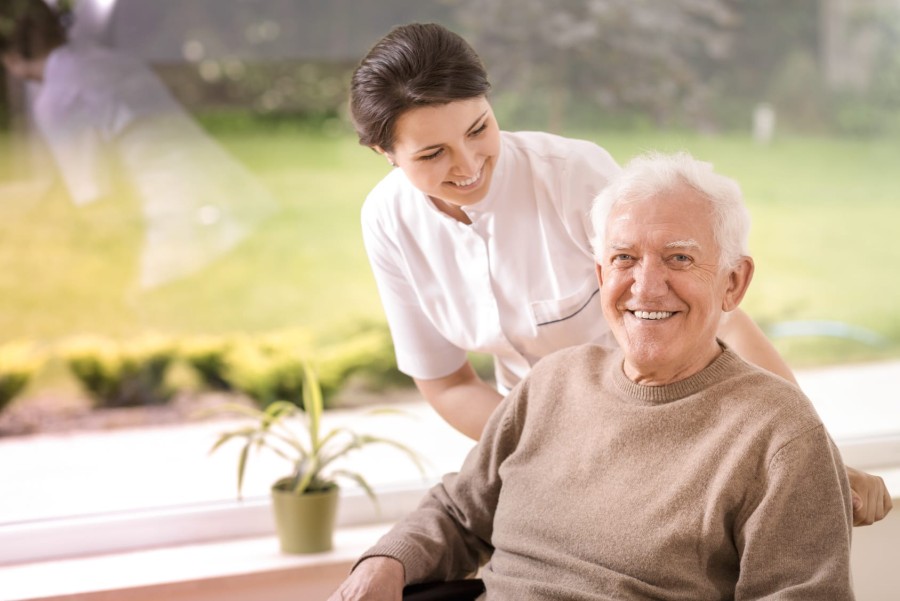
(616, 55)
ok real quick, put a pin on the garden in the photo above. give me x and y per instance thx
(77, 336)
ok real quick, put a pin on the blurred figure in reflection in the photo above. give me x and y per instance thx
(112, 126)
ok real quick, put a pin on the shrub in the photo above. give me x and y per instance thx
(367, 353)
(267, 373)
(18, 364)
(208, 357)
(122, 374)
(270, 367)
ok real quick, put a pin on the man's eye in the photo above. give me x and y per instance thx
(622, 257)
(681, 260)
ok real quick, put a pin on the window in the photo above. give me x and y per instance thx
(87, 242)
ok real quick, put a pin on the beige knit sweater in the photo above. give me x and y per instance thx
(587, 486)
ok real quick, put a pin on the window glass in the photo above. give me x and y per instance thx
(184, 180)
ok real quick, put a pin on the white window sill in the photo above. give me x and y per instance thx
(250, 568)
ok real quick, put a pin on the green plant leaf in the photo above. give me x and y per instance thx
(312, 399)
(242, 466)
(310, 472)
(409, 452)
(223, 438)
(272, 430)
(362, 483)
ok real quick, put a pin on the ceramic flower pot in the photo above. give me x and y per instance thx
(305, 523)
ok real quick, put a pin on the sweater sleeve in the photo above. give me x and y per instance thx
(795, 545)
(449, 535)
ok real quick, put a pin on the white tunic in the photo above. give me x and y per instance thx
(518, 283)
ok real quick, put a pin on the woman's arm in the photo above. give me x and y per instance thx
(463, 399)
(742, 334)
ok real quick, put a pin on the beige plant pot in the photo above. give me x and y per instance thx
(305, 523)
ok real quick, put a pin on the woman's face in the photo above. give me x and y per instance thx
(22, 68)
(15, 65)
(448, 151)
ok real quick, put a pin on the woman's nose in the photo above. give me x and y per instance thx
(466, 162)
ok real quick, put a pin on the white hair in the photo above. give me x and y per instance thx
(652, 174)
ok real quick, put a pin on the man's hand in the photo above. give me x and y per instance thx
(871, 499)
(374, 579)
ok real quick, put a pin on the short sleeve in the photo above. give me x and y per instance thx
(422, 351)
(589, 170)
(78, 147)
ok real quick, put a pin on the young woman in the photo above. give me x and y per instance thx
(479, 239)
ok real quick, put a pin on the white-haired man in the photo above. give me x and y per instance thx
(667, 469)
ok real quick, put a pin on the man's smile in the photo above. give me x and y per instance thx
(652, 315)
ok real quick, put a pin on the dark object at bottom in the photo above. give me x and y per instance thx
(454, 590)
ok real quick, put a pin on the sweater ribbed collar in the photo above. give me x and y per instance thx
(724, 364)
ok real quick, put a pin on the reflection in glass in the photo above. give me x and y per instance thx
(113, 130)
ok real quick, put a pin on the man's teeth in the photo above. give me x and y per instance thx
(652, 314)
(468, 182)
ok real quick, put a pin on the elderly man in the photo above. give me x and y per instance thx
(666, 469)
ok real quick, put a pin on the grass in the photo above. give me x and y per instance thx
(825, 242)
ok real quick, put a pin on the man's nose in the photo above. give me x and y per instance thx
(650, 280)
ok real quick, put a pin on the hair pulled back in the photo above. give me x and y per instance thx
(414, 65)
(31, 28)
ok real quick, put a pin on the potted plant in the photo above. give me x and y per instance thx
(305, 500)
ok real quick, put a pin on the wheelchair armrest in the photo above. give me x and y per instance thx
(452, 590)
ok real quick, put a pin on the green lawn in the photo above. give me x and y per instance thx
(825, 239)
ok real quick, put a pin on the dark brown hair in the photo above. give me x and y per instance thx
(412, 66)
(30, 28)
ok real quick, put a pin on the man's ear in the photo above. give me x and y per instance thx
(739, 278)
(599, 271)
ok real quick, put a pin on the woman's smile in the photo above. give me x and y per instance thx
(470, 183)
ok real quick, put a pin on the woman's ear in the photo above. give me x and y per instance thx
(385, 154)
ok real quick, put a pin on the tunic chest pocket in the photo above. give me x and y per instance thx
(557, 310)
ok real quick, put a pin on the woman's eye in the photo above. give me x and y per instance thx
(433, 155)
(479, 130)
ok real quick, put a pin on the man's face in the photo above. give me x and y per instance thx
(662, 290)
